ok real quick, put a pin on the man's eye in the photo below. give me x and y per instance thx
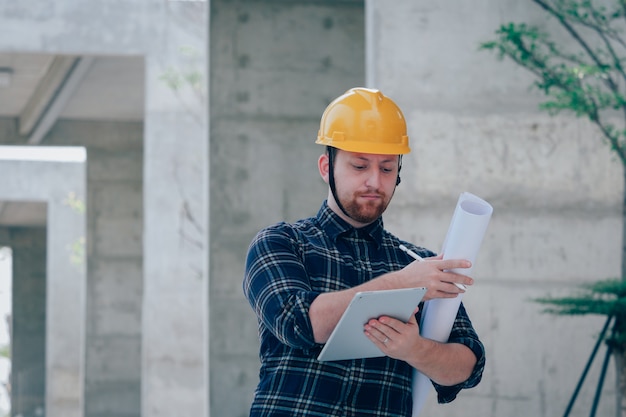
(359, 167)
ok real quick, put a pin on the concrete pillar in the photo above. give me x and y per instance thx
(175, 331)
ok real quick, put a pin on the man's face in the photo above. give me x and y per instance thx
(365, 183)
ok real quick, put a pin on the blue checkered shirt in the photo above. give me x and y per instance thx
(288, 265)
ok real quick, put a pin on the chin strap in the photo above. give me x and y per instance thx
(331, 177)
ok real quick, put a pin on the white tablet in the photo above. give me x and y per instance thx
(348, 340)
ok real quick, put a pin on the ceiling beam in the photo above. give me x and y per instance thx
(55, 75)
(57, 87)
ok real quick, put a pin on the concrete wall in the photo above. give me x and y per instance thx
(275, 66)
(555, 188)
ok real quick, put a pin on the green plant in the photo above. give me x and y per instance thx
(186, 80)
(77, 251)
(606, 297)
(74, 202)
(588, 81)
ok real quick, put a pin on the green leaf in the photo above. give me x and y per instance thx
(606, 297)
(5, 351)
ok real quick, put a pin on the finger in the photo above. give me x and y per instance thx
(454, 264)
(454, 286)
(376, 330)
(373, 338)
(462, 287)
(392, 328)
(391, 323)
(454, 277)
(447, 275)
(378, 338)
(451, 288)
(446, 290)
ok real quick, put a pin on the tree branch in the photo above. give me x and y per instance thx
(569, 28)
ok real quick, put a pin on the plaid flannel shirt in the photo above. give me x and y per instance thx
(287, 266)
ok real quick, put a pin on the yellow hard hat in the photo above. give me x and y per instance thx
(364, 120)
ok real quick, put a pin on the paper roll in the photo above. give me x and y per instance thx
(465, 234)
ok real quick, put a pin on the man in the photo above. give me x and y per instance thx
(301, 277)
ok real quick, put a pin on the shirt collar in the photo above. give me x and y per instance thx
(335, 226)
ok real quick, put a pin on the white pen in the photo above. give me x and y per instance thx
(419, 258)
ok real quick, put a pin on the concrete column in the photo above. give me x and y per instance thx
(176, 183)
(57, 176)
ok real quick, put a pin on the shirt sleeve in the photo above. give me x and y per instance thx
(277, 286)
(463, 332)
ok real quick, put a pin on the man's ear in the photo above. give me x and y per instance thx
(324, 166)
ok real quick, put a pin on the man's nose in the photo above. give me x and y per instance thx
(373, 178)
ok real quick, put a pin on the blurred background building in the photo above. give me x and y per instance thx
(186, 126)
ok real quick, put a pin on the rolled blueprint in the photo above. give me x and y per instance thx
(465, 234)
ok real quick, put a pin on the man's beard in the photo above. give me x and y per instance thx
(366, 212)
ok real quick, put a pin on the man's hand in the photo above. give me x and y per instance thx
(393, 337)
(444, 363)
(434, 274)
